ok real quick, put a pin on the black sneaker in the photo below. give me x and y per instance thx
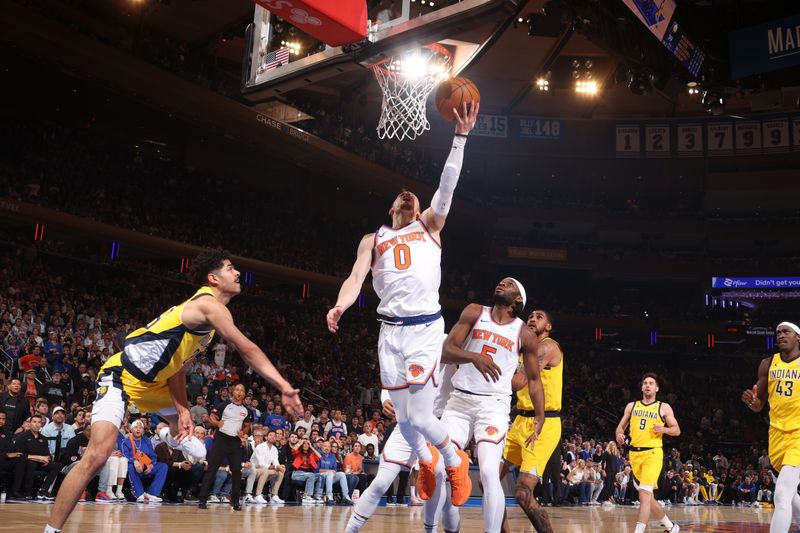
(202, 505)
(237, 506)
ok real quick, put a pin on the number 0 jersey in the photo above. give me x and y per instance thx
(501, 343)
(406, 270)
(643, 417)
(784, 394)
(159, 350)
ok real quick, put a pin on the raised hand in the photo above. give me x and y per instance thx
(333, 318)
(465, 120)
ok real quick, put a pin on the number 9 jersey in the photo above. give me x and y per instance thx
(406, 270)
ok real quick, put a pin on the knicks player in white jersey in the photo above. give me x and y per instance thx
(405, 260)
(481, 400)
(398, 456)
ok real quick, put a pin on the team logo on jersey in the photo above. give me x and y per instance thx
(416, 370)
(491, 430)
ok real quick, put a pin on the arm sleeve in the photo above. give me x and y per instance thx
(443, 196)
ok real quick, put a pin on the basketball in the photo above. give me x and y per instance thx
(453, 93)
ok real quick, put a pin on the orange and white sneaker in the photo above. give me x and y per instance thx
(460, 483)
(426, 482)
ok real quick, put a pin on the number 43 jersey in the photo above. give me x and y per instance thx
(498, 341)
(406, 270)
(784, 391)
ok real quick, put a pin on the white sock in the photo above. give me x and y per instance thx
(355, 523)
(785, 491)
(666, 522)
(50, 529)
(639, 527)
(412, 490)
(450, 455)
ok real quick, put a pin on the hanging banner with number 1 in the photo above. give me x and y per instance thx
(628, 140)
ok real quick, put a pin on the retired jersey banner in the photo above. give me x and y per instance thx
(656, 140)
(720, 138)
(491, 126)
(690, 140)
(628, 140)
(748, 138)
(775, 135)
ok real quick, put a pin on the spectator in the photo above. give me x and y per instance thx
(329, 474)
(747, 491)
(143, 465)
(220, 351)
(370, 436)
(115, 471)
(577, 483)
(306, 459)
(8, 456)
(58, 433)
(35, 456)
(335, 427)
(763, 461)
(621, 484)
(267, 466)
(54, 391)
(15, 405)
(306, 422)
(79, 419)
(276, 420)
(766, 490)
(198, 409)
(594, 476)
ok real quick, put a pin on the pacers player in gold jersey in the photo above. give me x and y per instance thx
(779, 383)
(649, 421)
(151, 372)
(524, 448)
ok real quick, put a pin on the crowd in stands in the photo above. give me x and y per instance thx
(60, 320)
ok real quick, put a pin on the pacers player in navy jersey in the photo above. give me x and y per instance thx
(151, 372)
(779, 384)
(405, 260)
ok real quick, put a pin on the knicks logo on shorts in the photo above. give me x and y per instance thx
(491, 430)
(416, 370)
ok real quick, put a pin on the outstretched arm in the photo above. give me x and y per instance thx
(220, 318)
(351, 287)
(434, 217)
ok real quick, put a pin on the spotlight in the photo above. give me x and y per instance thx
(714, 102)
(588, 88)
(543, 84)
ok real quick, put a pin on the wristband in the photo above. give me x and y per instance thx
(461, 135)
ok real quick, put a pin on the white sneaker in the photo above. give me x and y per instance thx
(213, 499)
(308, 500)
(249, 499)
(153, 499)
(675, 528)
(190, 445)
(118, 494)
(258, 499)
(224, 499)
(276, 499)
(142, 498)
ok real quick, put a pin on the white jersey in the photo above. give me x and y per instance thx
(406, 270)
(501, 342)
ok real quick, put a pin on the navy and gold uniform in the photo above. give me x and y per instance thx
(647, 447)
(534, 461)
(150, 356)
(783, 384)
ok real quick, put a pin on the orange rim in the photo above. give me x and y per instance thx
(435, 47)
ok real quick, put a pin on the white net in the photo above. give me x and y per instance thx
(406, 81)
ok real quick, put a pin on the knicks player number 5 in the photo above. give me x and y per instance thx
(786, 389)
(489, 351)
(402, 256)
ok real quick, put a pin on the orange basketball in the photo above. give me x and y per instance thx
(453, 93)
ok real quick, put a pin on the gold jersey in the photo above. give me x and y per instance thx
(156, 352)
(784, 401)
(552, 383)
(643, 418)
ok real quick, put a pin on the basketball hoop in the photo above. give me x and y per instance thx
(406, 81)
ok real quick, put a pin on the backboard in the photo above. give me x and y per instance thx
(280, 58)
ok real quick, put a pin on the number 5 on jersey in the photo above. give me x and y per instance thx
(488, 351)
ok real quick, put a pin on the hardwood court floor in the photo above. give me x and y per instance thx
(136, 518)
